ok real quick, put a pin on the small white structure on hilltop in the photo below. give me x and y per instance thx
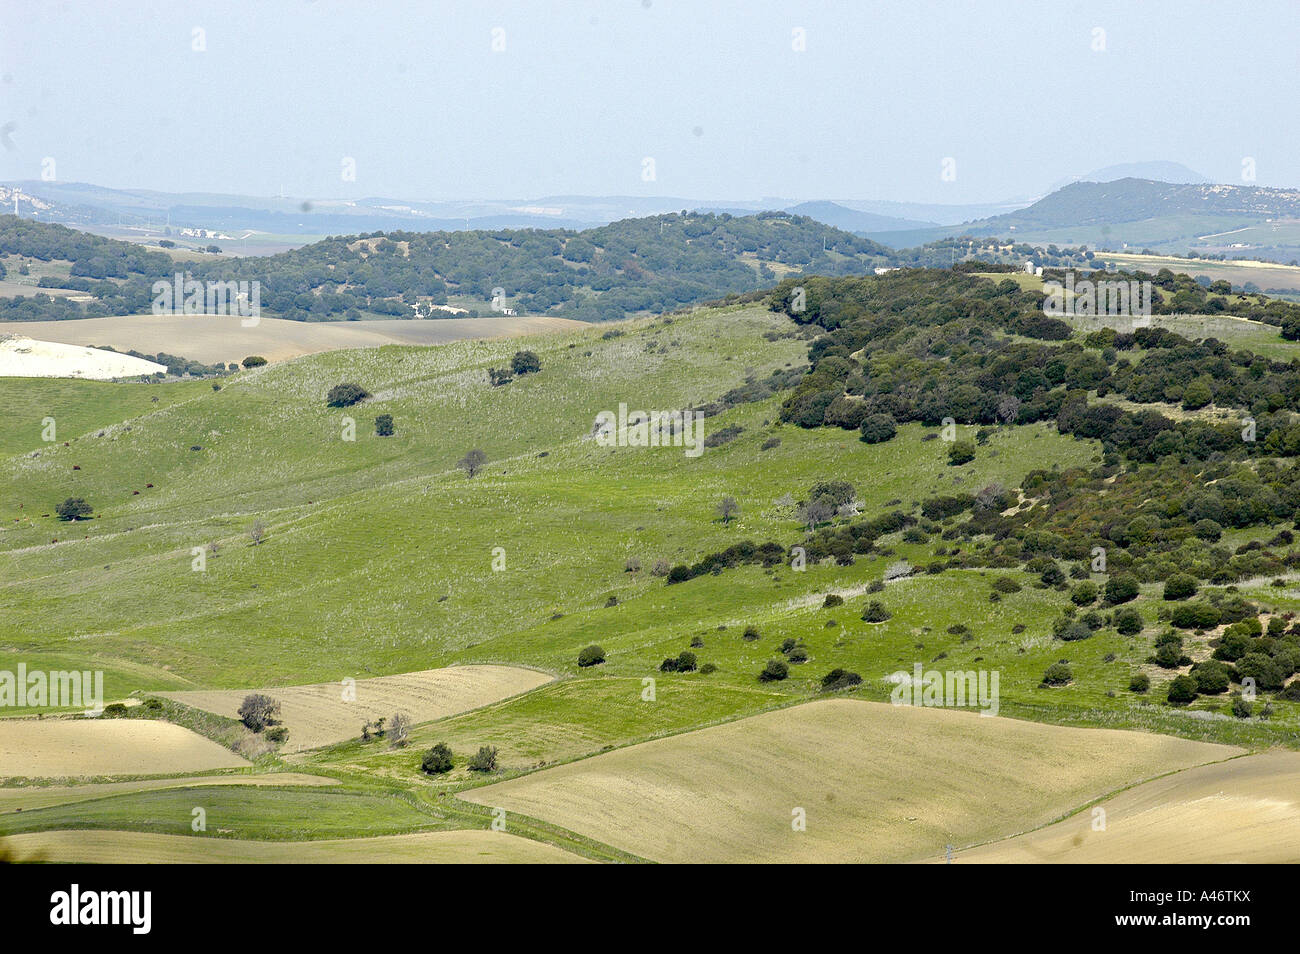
(23, 357)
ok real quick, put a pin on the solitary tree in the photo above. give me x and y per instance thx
(727, 508)
(258, 711)
(472, 462)
(73, 508)
(485, 760)
(437, 760)
(346, 394)
(399, 729)
(384, 425)
(816, 511)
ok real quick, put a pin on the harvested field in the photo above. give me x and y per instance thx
(133, 847)
(69, 748)
(1245, 811)
(213, 338)
(23, 357)
(878, 783)
(318, 715)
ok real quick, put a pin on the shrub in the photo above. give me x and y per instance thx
(254, 361)
(1121, 588)
(1208, 530)
(346, 394)
(1057, 674)
(1128, 621)
(876, 612)
(278, 734)
(1075, 630)
(770, 443)
(1240, 707)
(73, 508)
(679, 574)
(1169, 655)
(591, 656)
(1292, 692)
(1195, 616)
(878, 428)
(384, 425)
(1264, 670)
(437, 760)
(774, 671)
(960, 452)
(1085, 594)
(485, 760)
(1139, 683)
(751, 633)
(840, 679)
(708, 668)
(832, 599)
(1211, 677)
(1182, 690)
(1180, 586)
(797, 655)
(525, 362)
(257, 711)
(1005, 584)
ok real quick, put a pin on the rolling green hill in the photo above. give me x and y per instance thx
(380, 555)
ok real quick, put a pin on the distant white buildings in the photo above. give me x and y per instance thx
(424, 309)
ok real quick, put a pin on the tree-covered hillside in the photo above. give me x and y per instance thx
(634, 266)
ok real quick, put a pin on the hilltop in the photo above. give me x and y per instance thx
(1210, 220)
(636, 266)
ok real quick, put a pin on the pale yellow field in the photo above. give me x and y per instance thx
(68, 748)
(318, 715)
(1236, 271)
(137, 847)
(26, 798)
(213, 338)
(877, 783)
(1244, 811)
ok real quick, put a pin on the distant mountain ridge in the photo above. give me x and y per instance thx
(1131, 200)
(1159, 171)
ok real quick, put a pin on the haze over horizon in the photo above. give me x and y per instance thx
(432, 101)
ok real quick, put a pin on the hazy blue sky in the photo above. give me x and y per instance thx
(583, 92)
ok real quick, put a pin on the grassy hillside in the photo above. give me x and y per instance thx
(381, 556)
